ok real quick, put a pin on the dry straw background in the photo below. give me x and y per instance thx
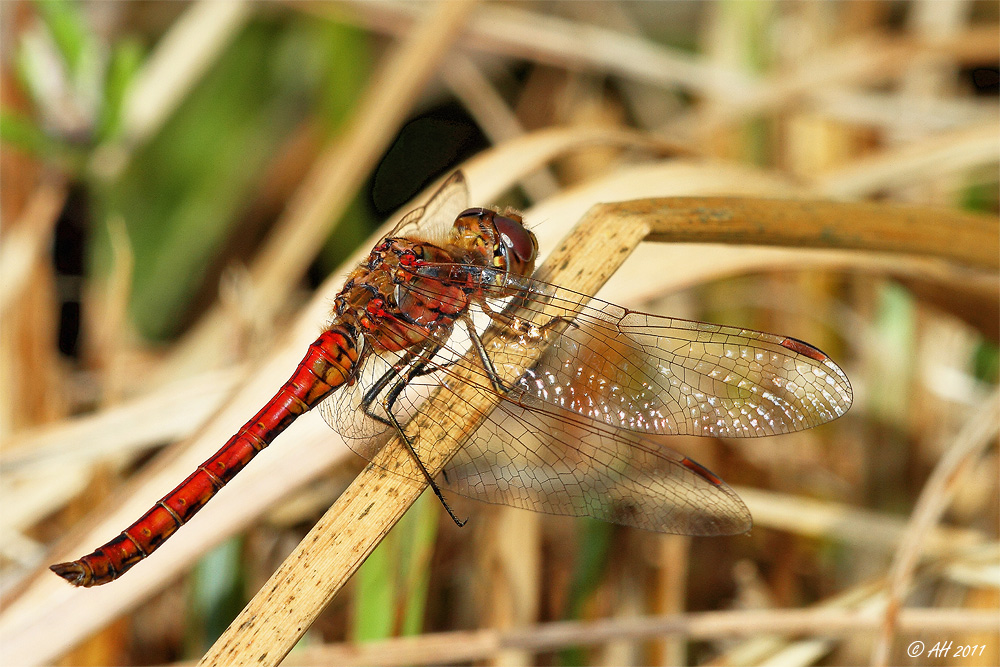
(212, 166)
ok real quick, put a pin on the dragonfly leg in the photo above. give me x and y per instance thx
(508, 324)
(387, 404)
(369, 398)
(484, 358)
(419, 364)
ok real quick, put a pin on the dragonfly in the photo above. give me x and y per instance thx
(580, 385)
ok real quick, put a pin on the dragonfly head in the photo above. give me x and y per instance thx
(514, 247)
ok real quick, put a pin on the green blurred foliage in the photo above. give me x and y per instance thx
(184, 192)
(217, 596)
(393, 583)
(986, 363)
(21, 132)
(69, 31)
(126, 59)
(592, 556)
(65, 74)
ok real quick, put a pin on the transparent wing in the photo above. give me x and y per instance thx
(580, 377)
(653, 374)
(545, 460)
(358, 411)
(557, 463)
(432, 221)
(345, 413)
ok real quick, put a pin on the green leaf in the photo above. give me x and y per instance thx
(186, 187)
(376, 589)
(393, 583)
(418, 551)
(126, 59)
(69, 30)
(217, 594)
(20, 132)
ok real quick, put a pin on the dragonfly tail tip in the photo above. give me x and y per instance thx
(74, 572)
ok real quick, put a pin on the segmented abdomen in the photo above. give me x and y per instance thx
(329, 363)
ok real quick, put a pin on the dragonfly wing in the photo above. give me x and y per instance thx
(434, 220)
(537, 457)
(558, 463)
(358, 411)
(345, 413)
(654, 374)
(661, 375)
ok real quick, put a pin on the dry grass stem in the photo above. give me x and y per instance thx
(24, 242)
(926, 160)
(181, 57)
(462, 647)
(116, 433)
(963, 238)
(849, 525)
(492, 114)
(889, 111)
(510, 31)
(341, 169)
(979, 433)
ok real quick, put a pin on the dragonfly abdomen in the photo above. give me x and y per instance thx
(330, 362)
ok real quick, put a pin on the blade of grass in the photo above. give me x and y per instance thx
(416, 571)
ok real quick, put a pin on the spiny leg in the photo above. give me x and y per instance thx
(509, 324)
(418, 363)
(484, 358)
(507, 327)
(416, 370)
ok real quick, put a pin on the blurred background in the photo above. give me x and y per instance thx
(184, 184)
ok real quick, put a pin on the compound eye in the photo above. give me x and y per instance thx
(516, 239)
(474, 213)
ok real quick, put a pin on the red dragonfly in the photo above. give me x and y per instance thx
(589, 378)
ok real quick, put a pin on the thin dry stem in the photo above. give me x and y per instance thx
(847, 525)
(24, 242)
(493, 115)
(464, 647)
(979, 433)
(511, 31)
(926, 160)
(963, 238)
(181, 57)
(27, 461)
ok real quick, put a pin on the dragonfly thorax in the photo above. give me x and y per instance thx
(395, 307)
